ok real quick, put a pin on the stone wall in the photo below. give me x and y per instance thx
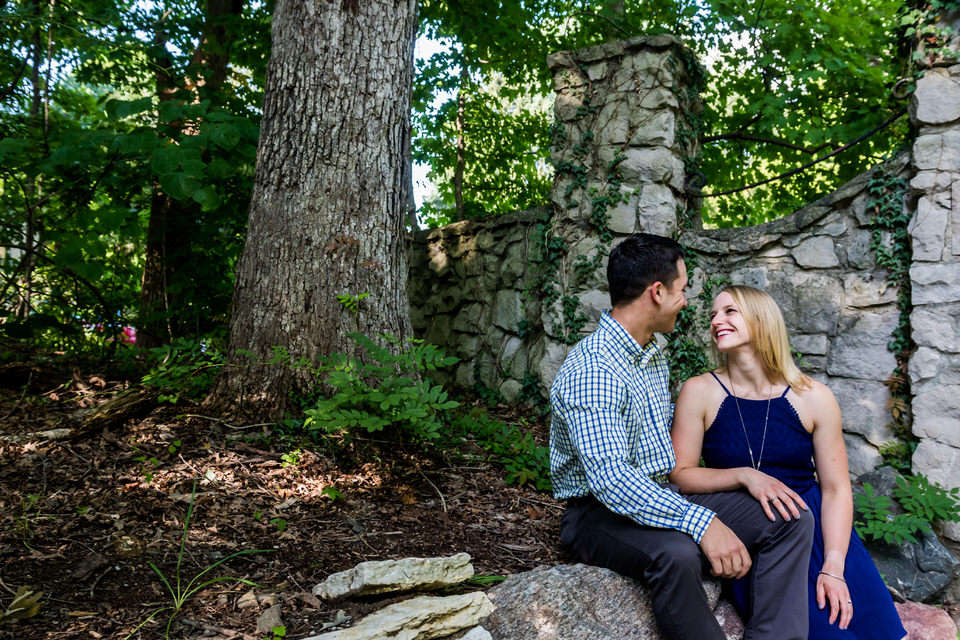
(935, 276)
(818, 265)
(620, 139)
(471, 289)
(491, 294)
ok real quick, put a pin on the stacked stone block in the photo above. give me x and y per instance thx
(622, 131)
(935, 277)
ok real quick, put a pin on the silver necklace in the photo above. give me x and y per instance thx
(754, 464)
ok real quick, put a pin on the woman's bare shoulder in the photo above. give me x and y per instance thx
(815, 391)
(815, 402)
(699, 389)
(700, 383)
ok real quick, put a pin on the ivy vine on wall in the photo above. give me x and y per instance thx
(891, 244)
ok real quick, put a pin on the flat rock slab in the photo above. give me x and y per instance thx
(580, 602)
(420, 618)
(926, 622)
(386, 576)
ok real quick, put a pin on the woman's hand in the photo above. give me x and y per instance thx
(770, 492)
(834, 590)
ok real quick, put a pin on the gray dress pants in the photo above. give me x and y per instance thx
(671, 564)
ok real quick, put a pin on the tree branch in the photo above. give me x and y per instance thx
(13, 83)
(773, 141)
(70, 272)
(695, 191)
(602, 17)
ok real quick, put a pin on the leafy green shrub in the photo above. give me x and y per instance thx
(383, 390)
(876, 521)
(929, 501)
(531, 395)
(524, 460)
(184, 368)
(898, 454)
(924, 503)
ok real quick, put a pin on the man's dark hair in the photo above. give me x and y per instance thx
(639, 261)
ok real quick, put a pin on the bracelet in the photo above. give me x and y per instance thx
(824, 573)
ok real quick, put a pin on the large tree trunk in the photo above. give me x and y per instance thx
(327, 212)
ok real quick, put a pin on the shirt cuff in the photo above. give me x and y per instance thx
(696, 520)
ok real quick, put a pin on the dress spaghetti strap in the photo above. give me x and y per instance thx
(785, 392)
(720, 383)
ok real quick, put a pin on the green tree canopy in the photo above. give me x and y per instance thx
(107, 104)
(109, 107)
(787, 81)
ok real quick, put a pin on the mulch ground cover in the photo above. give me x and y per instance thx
(84, 511)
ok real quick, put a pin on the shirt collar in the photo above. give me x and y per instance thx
(631, 349)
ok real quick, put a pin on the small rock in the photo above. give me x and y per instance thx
(418, 618)
(925, 622)
(247, 600)
(251, 599)
(308, 599)
(396, 575)
(338, 619)
(270, 619)
(477, 633)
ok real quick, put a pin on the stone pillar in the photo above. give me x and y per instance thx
(626, 115)
(935, 277)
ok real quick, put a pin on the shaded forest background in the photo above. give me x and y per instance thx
(138, 142)
(129, 134)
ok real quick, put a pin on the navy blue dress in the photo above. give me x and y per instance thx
(788, 456)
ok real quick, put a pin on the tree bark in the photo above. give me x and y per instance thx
(327, 211)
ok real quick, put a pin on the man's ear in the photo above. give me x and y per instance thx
(656, 292)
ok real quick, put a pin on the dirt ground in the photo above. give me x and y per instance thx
(84, 512)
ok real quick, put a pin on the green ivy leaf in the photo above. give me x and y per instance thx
(225, 136)
(207, 197)
(166, 159)
(179, 185)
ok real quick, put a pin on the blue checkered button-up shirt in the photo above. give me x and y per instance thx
(610, 434)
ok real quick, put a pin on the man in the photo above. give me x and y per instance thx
(610, 453)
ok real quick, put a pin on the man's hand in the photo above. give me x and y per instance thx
(727, 555)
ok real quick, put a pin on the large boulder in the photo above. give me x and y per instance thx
(926, 622)
(580, 602)
(918, 570)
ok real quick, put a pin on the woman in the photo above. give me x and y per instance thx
(760, 425)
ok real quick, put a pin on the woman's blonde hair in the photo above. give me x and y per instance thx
(768, 332)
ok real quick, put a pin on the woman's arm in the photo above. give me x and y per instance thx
(689, 425)
(836, 518)
(690, 417)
